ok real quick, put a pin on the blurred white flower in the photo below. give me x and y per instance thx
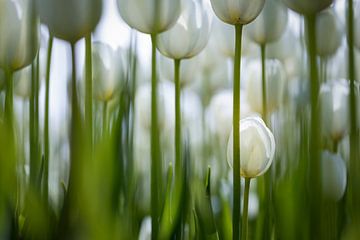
(257, 147)
(188, 71)
(22, 83)
(275, 83)
(19, 34)
(329, 32)
(189, 35)
(145, 17)
(270, 24)
(237, 11)
(333, 170)
(68, 19)
(108, 71)
(357, 23)
(220, 113)
(308, 6)
(334, 105)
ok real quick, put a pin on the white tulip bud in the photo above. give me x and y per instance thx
(145, 17)
(68, 19)
(357, 24)
(108, 71)
(257, 147)
(237, 11)
(19, 34)
(189, 35)
(270, 24)
(22, 83)
(275, 84)
(334, 105)
(329, 33)
(308, 6)
(333, 170)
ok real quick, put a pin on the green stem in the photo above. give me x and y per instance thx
(315, 174)
(46, 122)
(105, 119)
(177, 116)
(89, 89)
(244, 232)
(236, 125)
(264, 87)
(155, 148)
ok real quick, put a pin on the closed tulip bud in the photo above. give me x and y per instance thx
(270, 24)
(275, 83)
(357, 24)
(237, 11)
(189, 35)
(308, 6)
(333, 170)
(108, 71)
(334, 98)
(145, 17)
(19, 34)
(329, 33)
(70, 20)
(257, 147)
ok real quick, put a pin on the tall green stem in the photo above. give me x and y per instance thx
(354, 131)
(236, 140)
(177, 116)
(46, 122)
(244, 232)
(89, 89)
(155, 148)
(105, 118)
(264, 86)
(314, 167)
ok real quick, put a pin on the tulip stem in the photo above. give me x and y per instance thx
(315, 174)
(46, 122)
(236, 140)
(155, 147)
(264, 87)
(105, 119)
(177, 116)
(244, 233)
(89, 89)
(354, 130)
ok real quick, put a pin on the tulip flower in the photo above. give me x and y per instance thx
(22, 83)
(275, 77)
(357, 23)
(237, 13)
(334, 176)
(189, 36)
(308, 6)
(270, 24)
(329, 33)
(257, 146)
(68, 19)
(335, 109)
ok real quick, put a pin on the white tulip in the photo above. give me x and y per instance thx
(257, 147)
(145, 229)
(270, 24)
(237, 11)
(334, 99)
(145, 17)
(333, 170)
(19, 34)
(22, 83)
(308, 6)
(108, 71)
(357, 24)
(329, 33)
(189, 35)
(275, 83)
(70, 20)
